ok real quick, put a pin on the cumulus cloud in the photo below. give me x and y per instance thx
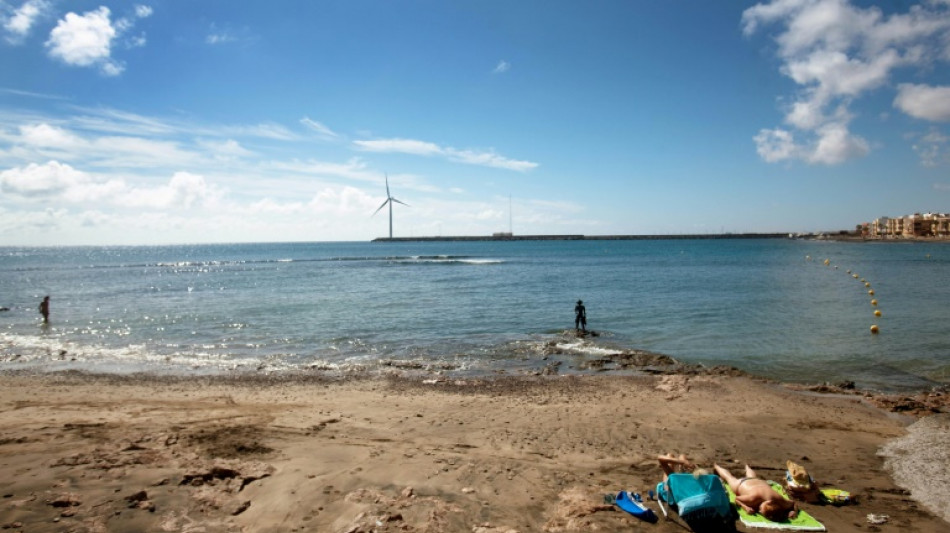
(55, 181)
(183, 190)
(46, 136)
(924, 102)
(50, 179)
(19, 24)
(88, 40)
(84, 40)
(471, 157)
(836, 53)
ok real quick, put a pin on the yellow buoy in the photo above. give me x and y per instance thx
(866, 284)
(855, 276)
(874, 328)
(848, 271)
(827, 262)
(871, 292)
(877, 312)
(873, 302)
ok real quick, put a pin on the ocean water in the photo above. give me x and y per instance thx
(771, 306)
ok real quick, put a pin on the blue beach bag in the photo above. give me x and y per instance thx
(696, 498)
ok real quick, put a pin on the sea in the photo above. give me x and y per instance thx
(794, 310)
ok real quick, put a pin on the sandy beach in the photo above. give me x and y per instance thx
(99, 453)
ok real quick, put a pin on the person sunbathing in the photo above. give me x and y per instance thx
(755, 495)
(672, 464)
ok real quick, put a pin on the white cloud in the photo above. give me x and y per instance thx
(265, 130)
(924, 102)
(343, 201)
(227, 149)
(489, 159)
(83, 40)
(55, 181)
(836, 145)
(355, 169)
(831, 144)
(403, 146)
(46, 136)
(321, 129)
(18, 26)
(218, 35)
(837, 52)
(50, 179)
(501, 67)
(87, 40)
(931, 148)
(471, 157)
(776, 145)
(219, 38)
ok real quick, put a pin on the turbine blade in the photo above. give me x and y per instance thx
(382, 206)
(387, 187)
(398, 202)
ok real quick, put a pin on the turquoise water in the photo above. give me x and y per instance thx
(768, 306)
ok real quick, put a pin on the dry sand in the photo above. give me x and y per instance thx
(87, 453)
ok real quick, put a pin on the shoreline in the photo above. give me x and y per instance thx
(492, 455)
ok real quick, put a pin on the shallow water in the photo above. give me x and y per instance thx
(771, 306)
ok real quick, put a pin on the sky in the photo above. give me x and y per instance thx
(204, 121)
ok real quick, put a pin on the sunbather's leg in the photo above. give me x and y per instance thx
(728, 477)
(749, 472)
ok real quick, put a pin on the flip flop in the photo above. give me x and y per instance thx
(624, 501)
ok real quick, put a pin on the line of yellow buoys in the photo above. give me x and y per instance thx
(867, 284)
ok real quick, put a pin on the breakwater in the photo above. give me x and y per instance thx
(585, 237)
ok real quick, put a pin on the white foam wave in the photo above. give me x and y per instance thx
(920, 462)
(581, 347)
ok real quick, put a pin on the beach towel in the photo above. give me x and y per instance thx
(802, 522)
(695, 498)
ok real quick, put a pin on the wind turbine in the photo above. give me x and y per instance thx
(389, 200)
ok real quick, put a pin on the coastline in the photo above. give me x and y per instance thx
(492, 455)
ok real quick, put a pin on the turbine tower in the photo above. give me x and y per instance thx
(389, 200)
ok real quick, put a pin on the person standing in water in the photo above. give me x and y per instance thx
(44, 310)
(580, 316)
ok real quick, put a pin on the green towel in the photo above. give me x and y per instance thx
(802, 521)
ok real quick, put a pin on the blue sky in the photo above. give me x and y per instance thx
(221, 121)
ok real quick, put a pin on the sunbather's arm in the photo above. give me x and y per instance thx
(669, 463)
(741, 500)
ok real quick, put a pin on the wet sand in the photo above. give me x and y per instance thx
(97, 453)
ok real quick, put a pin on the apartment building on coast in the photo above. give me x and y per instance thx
(927, 225)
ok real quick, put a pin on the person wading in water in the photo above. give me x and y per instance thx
(580, 317)
(44, 310)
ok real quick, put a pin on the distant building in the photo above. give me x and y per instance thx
(910, 226)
